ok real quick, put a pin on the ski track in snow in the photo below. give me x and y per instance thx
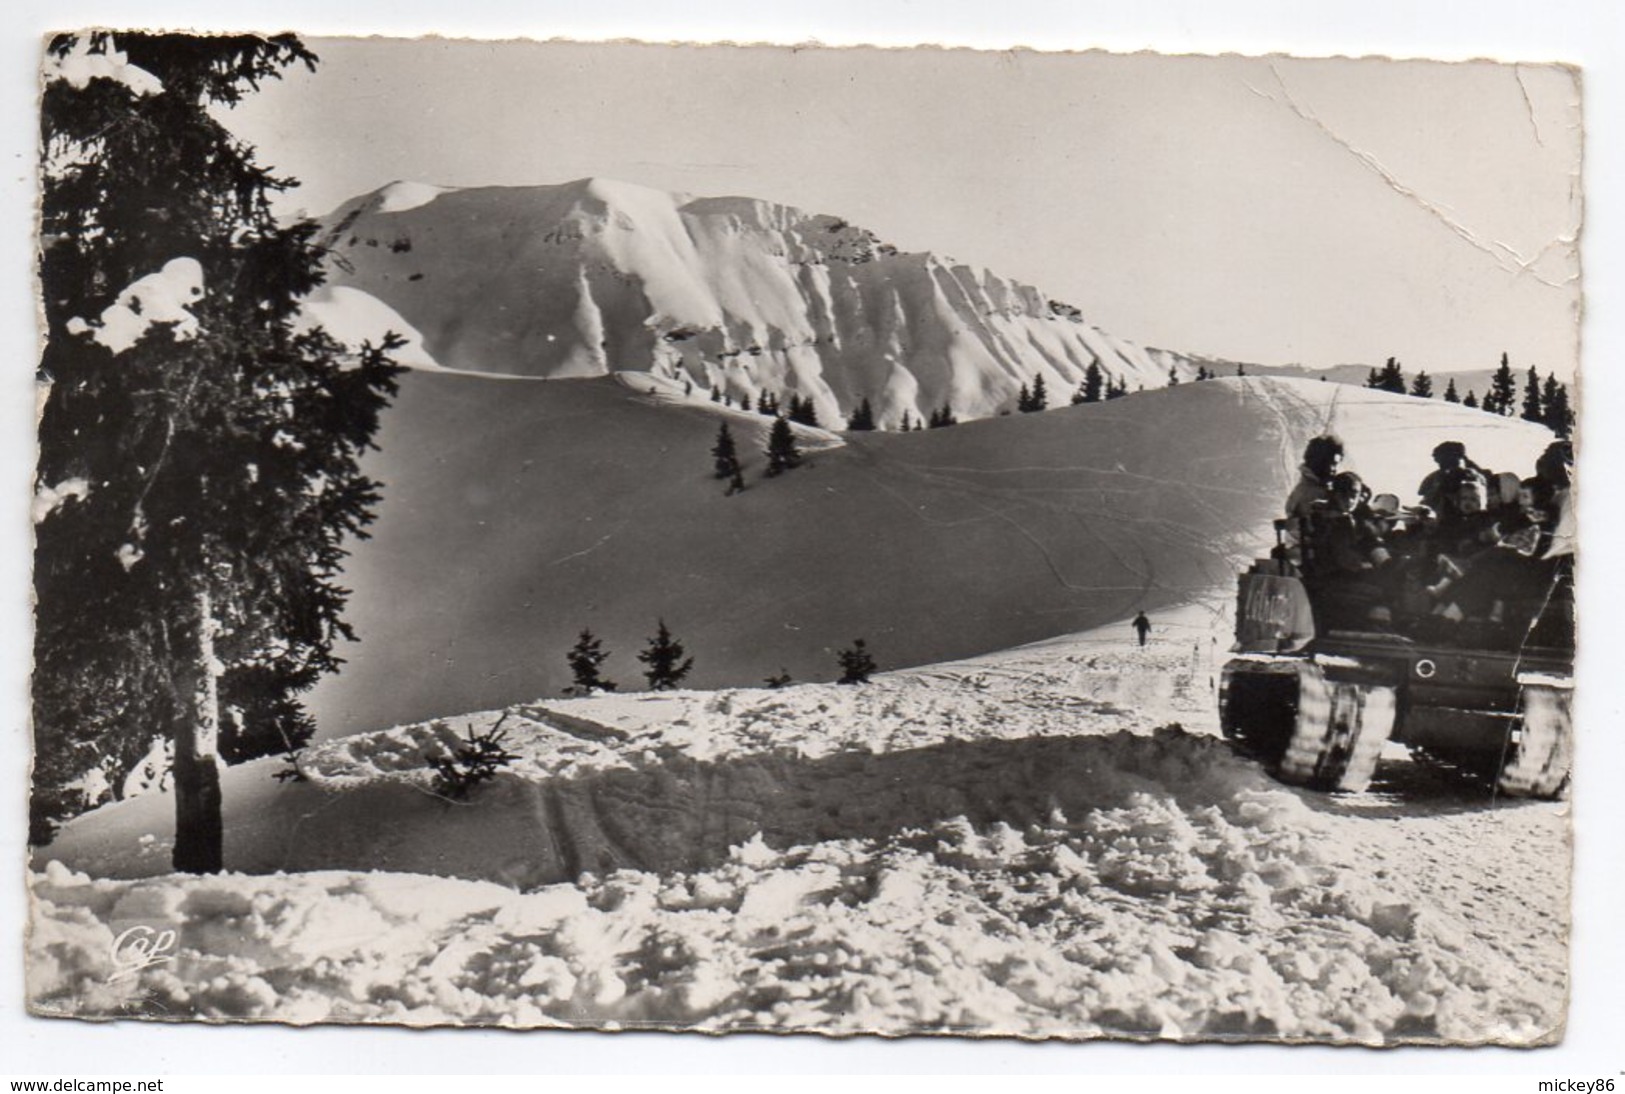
(1021, 844)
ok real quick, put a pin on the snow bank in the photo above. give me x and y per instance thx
(1149, 918)
(990, 847)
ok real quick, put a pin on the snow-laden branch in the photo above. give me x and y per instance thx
(161, 297)
(80, 65)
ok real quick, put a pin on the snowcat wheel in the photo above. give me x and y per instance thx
(1541, 754)
(1257, 709)
(1339, 733)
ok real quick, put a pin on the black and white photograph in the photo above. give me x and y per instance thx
(629, 535)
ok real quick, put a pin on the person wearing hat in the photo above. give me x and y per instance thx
(1439, 490)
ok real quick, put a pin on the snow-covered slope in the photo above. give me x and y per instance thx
(594, 275)
(515, 514)
(1018, 844)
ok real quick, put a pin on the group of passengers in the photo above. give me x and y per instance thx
(1481, 551)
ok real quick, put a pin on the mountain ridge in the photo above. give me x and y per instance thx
(737, 293)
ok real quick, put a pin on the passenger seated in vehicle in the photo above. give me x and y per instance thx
(1451, 456)
(1509, 582)
(1348, 568)
(1322, 457)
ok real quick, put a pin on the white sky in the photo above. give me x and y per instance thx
(1275, 211)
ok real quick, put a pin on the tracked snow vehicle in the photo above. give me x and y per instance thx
(1315, 699)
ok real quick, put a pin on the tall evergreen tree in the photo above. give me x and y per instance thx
(1532, 409)
(782, 453)
(802, 411)
(217, 444)
(724, 454)
(585, 658)
(1503, 393)
(1094, 383)
(1040, 395)
(664, 656)
(1559, 414)
(862, 419)
(1024, 401)
(1422, 385)
(1471, 401)
(1373, 380)
(1392, 377)
(1450, 395)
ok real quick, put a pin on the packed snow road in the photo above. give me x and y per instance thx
(1046, 842)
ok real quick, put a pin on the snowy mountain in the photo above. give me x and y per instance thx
(594, 276)
(517, 513)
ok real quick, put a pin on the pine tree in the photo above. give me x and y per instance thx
(1117, 390)
(767, 404)
(1502, 396)
(1094, 383)
(1039, 399)
(862, 419)
(1450, 395)
(1173, 376)
(1422, 385)
(802, 411)
(906, 424)
(220, 450)
(1024, 401)
(782, 453)
(1373, 380)
(1201, 373)
(1471, 401)
(585, 658)
(1391, 378)
(944, 417)
(744, 402)
(1532, 409)
(856, 664)
(1241, 370)
(1559, 415)
(724, 454)
(664, 656)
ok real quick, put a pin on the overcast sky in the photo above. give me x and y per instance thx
(1266, 210)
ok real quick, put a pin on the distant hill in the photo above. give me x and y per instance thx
(1475, 380)
(594, 276)
(517, 512)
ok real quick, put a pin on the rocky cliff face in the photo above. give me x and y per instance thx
(736, 294)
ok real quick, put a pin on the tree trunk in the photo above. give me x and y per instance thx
(199, 837)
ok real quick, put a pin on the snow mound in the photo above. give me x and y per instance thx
(353, 317)
(398, 197)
